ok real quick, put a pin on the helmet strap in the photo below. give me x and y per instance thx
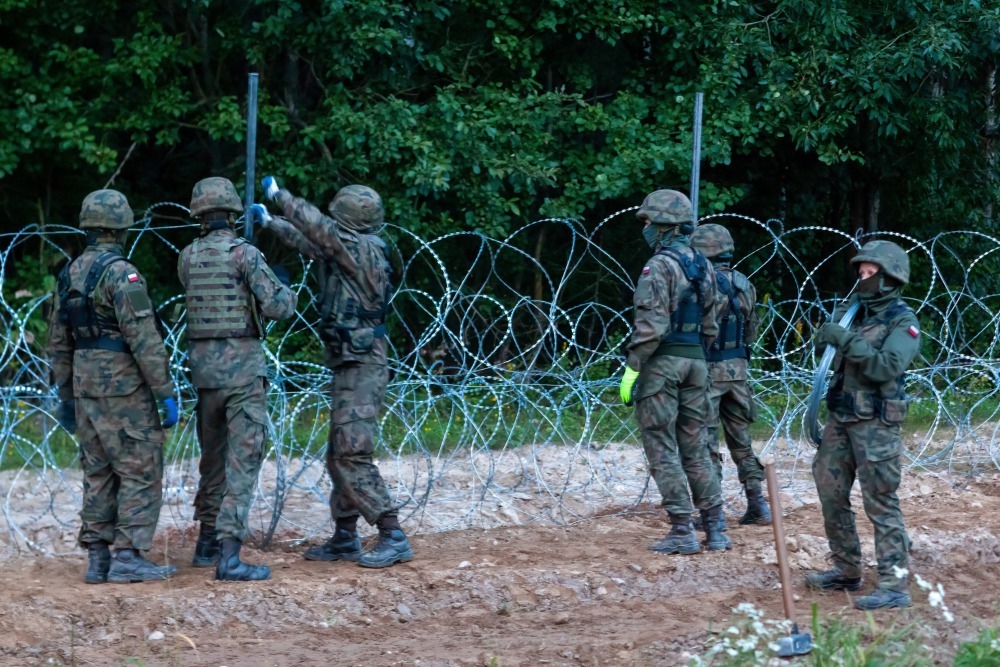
(96, 236)
(214, 220)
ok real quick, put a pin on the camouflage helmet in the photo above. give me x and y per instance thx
(214, 194)
(105, 209)
(712, 240)
(892, 259)
(666, 207)
(357, 207)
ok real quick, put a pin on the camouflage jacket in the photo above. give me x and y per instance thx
(731, 370)
(657, 294)
(119, 294)
(234, 362)
(345, 255)
(880, 345)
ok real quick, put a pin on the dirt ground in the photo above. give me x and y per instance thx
(587, 594)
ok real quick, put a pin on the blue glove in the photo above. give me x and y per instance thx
(67, 415)
(281, 273)
(270, 184)
(169, 406)
(259, 215)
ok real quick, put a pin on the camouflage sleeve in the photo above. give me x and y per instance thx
(753, 317)
(898, 351)
(60, 353)
(123, 286)
(652, 312)
(318, 229)
(275, 300)
(183, 260)
(293, 238)
(713, 311)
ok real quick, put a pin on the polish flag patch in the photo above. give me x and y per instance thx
(133, 277)
(645, 270)
(913, 331)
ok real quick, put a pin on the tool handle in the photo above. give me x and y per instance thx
(779, 540)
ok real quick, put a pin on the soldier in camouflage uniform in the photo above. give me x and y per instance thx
(862, 437)
(110, 367)
(729, 395)
(354, 284)
(666, 375)
(229, 287)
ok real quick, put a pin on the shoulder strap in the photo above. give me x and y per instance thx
(740, 281)
(694, 266)
(97, 269)
(897, 308)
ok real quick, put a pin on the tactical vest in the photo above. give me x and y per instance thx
(351, 318)
(91, 330)
(686, 318)
(848, 393)
(732, 340)
(219, 303)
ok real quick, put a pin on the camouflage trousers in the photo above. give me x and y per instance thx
(232, 428)
(671, 412)
(357, 393)
(121, 453)
(731, 404)
(869, 450)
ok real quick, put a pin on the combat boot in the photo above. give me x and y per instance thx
(699, 524)
(231, 568)
(392, 547)
(129, 567)
(98, 563)
(344, 545)
(882, 598)
(681, 539)
(832, 580)
(715, 539)
(206, 549)
(758, 513)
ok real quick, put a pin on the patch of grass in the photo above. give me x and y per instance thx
(749, 641)
(840, 644)
(983, 652)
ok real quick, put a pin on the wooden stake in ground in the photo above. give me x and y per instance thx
(796, 643)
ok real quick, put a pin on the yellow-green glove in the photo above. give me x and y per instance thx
(628, 381)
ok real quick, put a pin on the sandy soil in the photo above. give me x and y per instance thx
(585, 594)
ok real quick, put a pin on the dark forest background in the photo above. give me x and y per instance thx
(484, 115)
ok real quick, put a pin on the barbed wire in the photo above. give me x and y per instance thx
(502, 405)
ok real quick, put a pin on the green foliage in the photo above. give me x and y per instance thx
(983, 652)
(476, 115)
(837, 643)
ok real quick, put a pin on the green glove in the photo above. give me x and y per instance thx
(628, 381)
(832, 334)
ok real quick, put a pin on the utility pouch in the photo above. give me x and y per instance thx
(894, 411)
(864, 404)
(360, 341)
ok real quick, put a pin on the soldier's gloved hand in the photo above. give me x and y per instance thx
(67, 415)
(259, 215)
(270, 184)
(628, 382)
(281, 273)
(169, 406)
(832, 334)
